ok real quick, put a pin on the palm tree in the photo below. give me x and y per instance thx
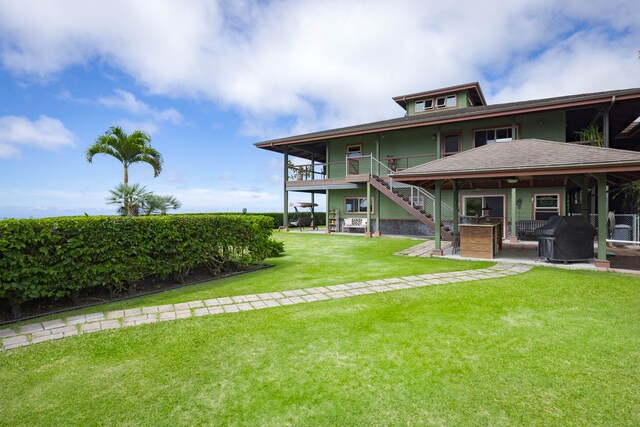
(128, 149)
(160, 204)
(131, 199)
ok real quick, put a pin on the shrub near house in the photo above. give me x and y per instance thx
(57, 257)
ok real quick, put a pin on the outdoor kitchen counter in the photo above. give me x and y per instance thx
(482, 240)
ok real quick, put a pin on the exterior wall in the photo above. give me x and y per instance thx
(394, 220)
(462, 102)
(419, 145)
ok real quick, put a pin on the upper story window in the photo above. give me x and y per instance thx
(423, 105)
(489, 136)
(450, 143)
(446, 101)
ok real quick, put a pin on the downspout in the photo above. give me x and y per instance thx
(605, 121)
(285, 210)
(605, 125)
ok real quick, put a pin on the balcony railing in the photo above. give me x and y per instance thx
(361, 165)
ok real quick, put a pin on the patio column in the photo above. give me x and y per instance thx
(285, 212)
(437, 217)
(584, 197)
(514, 216)
(378, 231)
(601, 260)
(368, 229)
(313, 210)
(456, 214)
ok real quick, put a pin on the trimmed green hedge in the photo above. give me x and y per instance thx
(57, 257)
(319, 218)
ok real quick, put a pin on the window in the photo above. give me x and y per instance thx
(354, 153)
(425, 104)
(545, 206)
(446, 101)
(450, 143)
(489, 136)
(357, 205)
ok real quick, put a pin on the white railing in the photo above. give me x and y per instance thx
(417, 197)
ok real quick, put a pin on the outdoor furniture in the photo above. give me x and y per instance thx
(302, 222)
(350, 223)
(527, 229)
(566, 238)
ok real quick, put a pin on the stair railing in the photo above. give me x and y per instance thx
(417, 197)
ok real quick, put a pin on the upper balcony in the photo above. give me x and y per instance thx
(350, 172)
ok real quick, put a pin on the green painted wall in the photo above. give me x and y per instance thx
(389, 210)
(462, 103)
(421, 143)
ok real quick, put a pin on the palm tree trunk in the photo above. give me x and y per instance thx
(126, 175)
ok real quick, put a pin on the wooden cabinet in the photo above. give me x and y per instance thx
(480, 240)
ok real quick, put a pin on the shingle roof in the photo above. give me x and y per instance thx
(468, 113)
(522, 157)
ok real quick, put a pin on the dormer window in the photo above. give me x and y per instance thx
(446, 101)
(424, 105)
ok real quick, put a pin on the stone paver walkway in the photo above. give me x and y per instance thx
(76, 325)
(423, 249)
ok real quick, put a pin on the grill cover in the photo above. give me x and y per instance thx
(566, 238)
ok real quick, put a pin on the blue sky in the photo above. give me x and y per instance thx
(208, 79)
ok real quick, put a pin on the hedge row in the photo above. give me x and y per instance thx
(57, 257)
(319, 218)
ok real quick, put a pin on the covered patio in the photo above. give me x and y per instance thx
(532, 163)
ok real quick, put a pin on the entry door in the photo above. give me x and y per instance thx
(496, 203)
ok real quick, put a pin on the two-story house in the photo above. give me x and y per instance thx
(355, 166)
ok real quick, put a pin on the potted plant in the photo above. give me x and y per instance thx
(592, 135)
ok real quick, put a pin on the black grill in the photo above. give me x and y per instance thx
(566, 238)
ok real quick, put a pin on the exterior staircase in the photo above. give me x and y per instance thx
(405, 198)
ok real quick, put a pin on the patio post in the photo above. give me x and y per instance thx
(285, 212)
(601, 260)
(456, 213)
(514, 216)
(378, 231)
(437, 217)
(584, 197)
(368, 229)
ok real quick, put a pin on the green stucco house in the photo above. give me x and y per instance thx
(372, 171)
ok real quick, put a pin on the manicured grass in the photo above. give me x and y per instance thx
(310, 260)
(548, 347)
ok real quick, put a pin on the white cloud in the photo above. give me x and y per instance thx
(127, 101)
(45, 132)
(331, 63)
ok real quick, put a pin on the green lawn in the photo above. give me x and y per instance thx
(548, 347)
(310, 260)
